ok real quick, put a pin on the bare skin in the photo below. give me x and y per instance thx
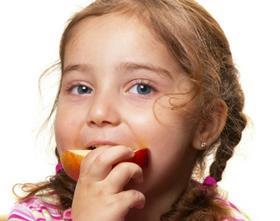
(109, 88)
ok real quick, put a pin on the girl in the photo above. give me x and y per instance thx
(151, 73)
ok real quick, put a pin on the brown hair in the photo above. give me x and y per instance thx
(199, 45)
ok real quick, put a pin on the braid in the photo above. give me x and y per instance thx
(197, 204)
(230, 137)
(236, 121)
(64, 188)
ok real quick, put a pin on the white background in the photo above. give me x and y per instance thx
(29, 38)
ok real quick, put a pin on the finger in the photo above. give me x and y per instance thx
(89, 159)
(103, 160)
(130, 199)
(121, 174)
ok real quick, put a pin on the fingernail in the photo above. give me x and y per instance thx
(140, 206)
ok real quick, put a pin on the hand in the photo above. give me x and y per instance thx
(99, 193)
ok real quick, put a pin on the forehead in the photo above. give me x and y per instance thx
(116, 38)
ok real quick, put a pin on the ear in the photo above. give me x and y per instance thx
(209, 129)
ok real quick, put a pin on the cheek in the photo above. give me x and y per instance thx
(60, 133)
(160, 130)
(168, 133)
(176, 110)
(66, 130)
(170, 150)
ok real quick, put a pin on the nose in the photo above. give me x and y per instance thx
(103, 111)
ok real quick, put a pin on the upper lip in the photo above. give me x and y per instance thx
(100, 142)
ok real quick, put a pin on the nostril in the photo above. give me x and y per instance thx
(91, 148)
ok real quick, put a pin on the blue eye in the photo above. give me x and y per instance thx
(80, 89)
(142, 89)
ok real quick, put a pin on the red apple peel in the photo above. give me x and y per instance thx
(71, 160)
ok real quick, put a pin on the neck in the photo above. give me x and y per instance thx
(155, 206)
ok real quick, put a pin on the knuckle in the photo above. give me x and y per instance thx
(124, 167)
(100, 160)
(124, 149)
(136, 195)
(129, 168)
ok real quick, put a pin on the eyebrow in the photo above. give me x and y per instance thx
(124, 66)
(132, 66)
(76, 67)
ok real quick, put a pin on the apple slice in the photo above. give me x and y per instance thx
(71, 160)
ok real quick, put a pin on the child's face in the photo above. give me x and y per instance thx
(109, 89)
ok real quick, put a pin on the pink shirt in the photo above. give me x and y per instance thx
(35, 209)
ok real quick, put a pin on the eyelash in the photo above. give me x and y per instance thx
(72, 87)
(143, 83)
(137, 82)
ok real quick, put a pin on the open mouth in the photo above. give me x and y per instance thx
(91, 148)
(100, 144)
